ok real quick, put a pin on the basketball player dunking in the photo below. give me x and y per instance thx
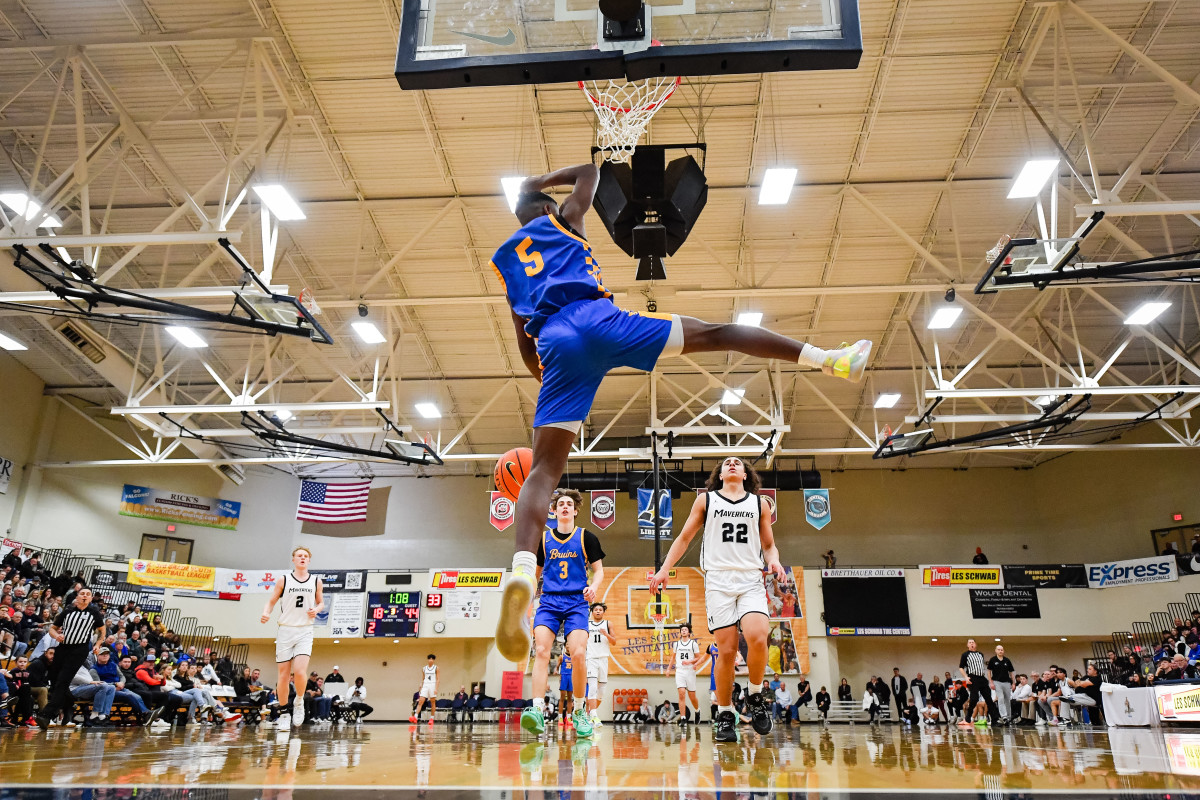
(570, 335)
(687, 656)
(599, 639)
(302, 599)
(737, 537)
(428, 690)
(563, 558)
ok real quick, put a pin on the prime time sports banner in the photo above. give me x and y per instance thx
(1046, 576)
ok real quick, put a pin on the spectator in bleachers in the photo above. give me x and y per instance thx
(823, 703)
(844, 691)
(142, 680)
(1024, 700)
(209, 671)
(109, 671)
(318, 705)
(20, 689)
(87, 685)
(41, 673)
(190, 680)
(937, 693)
(335, 676)
(194, 698)
(782, 704)
(245, 690)
(356, 700)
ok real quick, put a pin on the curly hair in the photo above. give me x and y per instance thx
(753, 482)
(575, 496)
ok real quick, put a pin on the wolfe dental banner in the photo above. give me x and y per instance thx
(640, 650)
(163, 504)
(168, 575)
(1013, 603)
(1158, 569)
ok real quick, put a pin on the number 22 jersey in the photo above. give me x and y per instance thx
(731, 540)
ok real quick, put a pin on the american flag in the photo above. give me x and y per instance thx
(333, 502)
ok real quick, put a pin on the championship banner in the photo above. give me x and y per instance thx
(190, 509)
(962, 575)
(1158, 569)
(604, 508)
(246, 581)
(168, 575)
(646, 513)
(770, 495)
(1018, 603)
(641, 650)
(501, 510)
(816, 507)
(1046, 576)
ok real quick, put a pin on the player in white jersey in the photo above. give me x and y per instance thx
(428, 690)
(687, 655)
(737, 542)
(599, 639)
(302, 599)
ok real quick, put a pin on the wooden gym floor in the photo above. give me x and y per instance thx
(488, 760)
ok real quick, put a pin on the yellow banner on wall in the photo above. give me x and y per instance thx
(167, 575)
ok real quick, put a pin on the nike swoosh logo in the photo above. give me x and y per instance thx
(502, 41)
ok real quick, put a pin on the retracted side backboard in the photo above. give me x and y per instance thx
(449, 43)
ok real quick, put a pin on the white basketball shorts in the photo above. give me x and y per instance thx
(292, 641)
(730, 595)
(428, 690)
(685, 678)
(597, 669)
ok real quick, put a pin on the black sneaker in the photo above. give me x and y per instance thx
(726, 727)
(760, 713)
(151, 716)
(43, 721)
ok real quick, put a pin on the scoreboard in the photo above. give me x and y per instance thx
(393, 614)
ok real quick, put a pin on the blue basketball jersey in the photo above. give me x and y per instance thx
(564, 569)
(565, 669)
(544, 267)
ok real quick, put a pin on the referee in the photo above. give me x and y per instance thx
(74, 628)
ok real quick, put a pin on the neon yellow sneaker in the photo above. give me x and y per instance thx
(532, 720)
(512, 631)
(848, 361)
(582, 723)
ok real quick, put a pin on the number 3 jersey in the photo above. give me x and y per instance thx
(731, 540)
(544, 267)
(297, 598)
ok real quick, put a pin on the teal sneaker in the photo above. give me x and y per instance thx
(531, 756)
(582, 723)
(848, 361)
(532, 720)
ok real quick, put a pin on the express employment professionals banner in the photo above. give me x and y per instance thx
(149, 503)
(1158, 569)
(1046, 576)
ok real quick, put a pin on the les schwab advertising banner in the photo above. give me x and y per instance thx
(961, 575)
(639, 651)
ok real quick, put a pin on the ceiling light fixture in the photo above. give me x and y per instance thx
(283, 415)
(368, 332)
(186, 336)
(887, 400)
(1146, 313)
(512, 191)
(428, 410)
(751, 318)
(944, 317)
(776, 186)
(21, 203)
(9, 343)
(1033, 177)
(282, 204)
(733, 397)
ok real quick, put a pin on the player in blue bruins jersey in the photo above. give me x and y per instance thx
(563, 557)
(570, 334)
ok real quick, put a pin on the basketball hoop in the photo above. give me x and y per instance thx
(306, 299)
(995, 252)
(623, 110)
(660, 627)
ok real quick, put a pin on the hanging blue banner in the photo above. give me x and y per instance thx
(816, 507)
(646, 513)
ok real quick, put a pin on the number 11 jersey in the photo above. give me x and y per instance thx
(731, 540)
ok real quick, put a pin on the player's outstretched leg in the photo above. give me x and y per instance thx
(756, 628)
(847, 361)
(551, 446)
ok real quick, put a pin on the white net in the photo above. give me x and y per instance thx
(623, 110)
(995, 252)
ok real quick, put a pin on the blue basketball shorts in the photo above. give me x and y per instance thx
(570, 611)
(583, 341)
(564, 682)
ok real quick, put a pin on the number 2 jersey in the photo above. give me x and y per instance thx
(297, 598)
(731, 540)
(544, 267)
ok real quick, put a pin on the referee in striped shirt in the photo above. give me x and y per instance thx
(74, 628)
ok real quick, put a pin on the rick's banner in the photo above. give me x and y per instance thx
(190, 509)
(816, 507)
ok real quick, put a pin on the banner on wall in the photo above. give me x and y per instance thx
(604, 508)
(962, 575)
(462, 604)
(646, 513)
(501, 510)
(816, 507)
(106, 577)
(246, 581)
(6, 472)
(168, 575)
(8, 546)
(465, 578)
(771, 501)
(342, 580)
(1158, 569)
(1046, 576)
(189, 509)
(1012, 603)
(346, 614)
(640, 650)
